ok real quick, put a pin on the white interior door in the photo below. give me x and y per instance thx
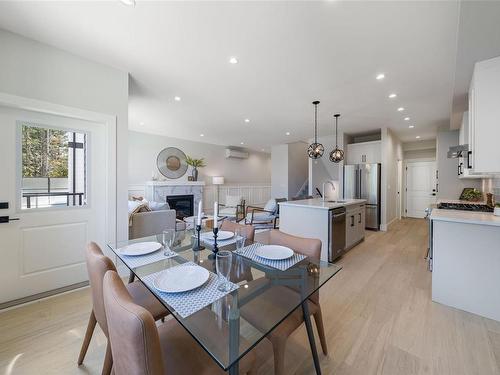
(44, 250)
(420, 187)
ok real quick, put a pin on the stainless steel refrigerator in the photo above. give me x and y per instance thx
(362, 181)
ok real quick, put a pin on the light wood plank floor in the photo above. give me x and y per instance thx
(378, 315)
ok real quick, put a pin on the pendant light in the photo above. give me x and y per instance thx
(315, 150)
(337, 155)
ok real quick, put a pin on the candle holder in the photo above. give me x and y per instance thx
(215, 249)
(198, 246)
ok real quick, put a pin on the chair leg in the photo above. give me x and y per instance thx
(279, 347)
(88, 336)
(108, 361)
(318, 318)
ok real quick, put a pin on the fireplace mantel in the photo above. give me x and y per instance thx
(175, 183)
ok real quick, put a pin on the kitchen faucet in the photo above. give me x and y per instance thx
(326, 182)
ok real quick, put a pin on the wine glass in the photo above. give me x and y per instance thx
(223, 266)
(168, 240)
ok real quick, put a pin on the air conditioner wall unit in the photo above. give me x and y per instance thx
(236, 154)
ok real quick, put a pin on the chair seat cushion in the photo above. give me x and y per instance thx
(260, 217)
(276, 301)
(183, 355)
(142, 296)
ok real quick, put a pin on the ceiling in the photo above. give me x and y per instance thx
(289, 53)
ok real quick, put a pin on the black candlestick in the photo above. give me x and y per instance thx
(215, 248)
(198, 246)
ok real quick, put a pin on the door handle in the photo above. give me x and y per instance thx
(433, 194)
(6, 219)
(359, 218)
(352, 220)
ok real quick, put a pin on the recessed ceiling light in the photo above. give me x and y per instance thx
(128, 2)
(407, 119)
(287, 133)
(233, 60)
(418, 137)
(247, 120)
(392, 96)
(141, 123)
(401, 109)
(411, 126)
(177, 98)
(380, 76)
(242, 143)
(202, 135)
(262, 150)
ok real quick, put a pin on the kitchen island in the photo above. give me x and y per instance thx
(466, 261)
(339, 225)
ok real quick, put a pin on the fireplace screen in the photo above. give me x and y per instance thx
(182, 204)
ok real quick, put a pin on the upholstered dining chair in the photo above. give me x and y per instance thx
(252, 312)
(231, 226)
(141, 348)
(97, 266)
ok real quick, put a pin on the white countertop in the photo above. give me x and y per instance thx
(469, 217)
(319, 203)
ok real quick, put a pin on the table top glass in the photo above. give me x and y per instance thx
(239, 320)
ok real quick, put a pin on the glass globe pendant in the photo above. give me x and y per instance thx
(315, 150)
(337, 155)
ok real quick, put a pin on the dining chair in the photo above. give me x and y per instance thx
(97, 266)
(231, 226)
(252, 312)
(141, 348)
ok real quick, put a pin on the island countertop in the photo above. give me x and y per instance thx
(468, 217)
(320, 204)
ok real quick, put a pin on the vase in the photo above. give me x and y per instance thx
(194, 174)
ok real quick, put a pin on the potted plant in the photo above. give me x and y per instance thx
(472, 195)
(195, 164)
(496, 211)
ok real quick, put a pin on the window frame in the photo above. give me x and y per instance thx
(19, 167)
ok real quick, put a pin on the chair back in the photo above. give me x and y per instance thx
(145, 224)
(310, 247)
(135, 344)
(97, 266)
(247, 230)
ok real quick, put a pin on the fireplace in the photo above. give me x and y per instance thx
(182, 204)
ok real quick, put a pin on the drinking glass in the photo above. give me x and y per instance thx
(223, 266)
(168, 240)
(240, 238)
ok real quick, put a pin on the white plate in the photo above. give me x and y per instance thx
(140, 248)
(274, 252)
(221, 235)
(181, 279)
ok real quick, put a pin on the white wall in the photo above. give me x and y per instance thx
(279, 171)
(420, 150)
(392, 151)
(297, 167)
(144, 148)
(34, 70)
(450, 186)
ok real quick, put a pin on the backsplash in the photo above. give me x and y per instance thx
(496, 189)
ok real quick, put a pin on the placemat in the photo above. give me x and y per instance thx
(187, 303)
(282, 265)
(142, 260)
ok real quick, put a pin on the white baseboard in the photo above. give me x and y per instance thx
(385, 227)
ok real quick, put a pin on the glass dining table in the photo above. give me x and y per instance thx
(231, 336)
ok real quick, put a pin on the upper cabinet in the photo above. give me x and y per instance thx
(484, 118)
(364, 152)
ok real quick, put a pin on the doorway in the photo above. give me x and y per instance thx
(420, 187)
(58, 181)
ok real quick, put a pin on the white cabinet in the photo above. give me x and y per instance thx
(365, 152)
(355, 224)
(484, 116)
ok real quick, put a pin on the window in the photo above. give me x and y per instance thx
(53, 167)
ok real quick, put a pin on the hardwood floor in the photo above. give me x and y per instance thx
(377, 311)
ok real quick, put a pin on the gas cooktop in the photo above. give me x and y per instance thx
(465, 206)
